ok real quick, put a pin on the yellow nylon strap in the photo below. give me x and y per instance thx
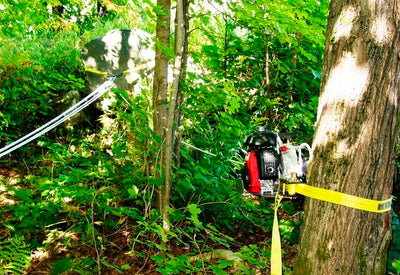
(339, 198)
(126, 72)
(92, 70)
(276, 253)
(324, 195)
(96, 71)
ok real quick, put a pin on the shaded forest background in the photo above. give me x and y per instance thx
(80, 200)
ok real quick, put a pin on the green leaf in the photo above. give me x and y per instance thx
(396, 265)
(61, 266)
(158, 258)
(133, 192)
(194, 211)
(234, 104)
(225, 263)
(125, 267)
(218, 270)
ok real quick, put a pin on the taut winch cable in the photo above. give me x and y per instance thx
(85, 102)
(93, 96)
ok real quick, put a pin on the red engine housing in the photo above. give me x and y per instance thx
(252, 166)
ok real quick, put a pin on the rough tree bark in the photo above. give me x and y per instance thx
(355, 139)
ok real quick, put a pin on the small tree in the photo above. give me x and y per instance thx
(171, 118)
(355, 140)
(160, 90)
(165, 116)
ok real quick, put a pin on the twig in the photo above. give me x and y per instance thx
(93, 235)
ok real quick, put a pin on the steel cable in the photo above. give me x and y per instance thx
(93, 96)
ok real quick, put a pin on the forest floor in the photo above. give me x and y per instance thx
(118, 250)
(121, 254)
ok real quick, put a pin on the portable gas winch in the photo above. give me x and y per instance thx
(272, 164)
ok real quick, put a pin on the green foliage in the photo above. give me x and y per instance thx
(170, 264)
(396, 265)
(34, 76)
(26, 93)
(271, 64)
(14, 255)
(393, 263)
(88, 191)
(254, 255)
(62, 265)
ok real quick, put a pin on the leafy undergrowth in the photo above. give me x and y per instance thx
(86, 219)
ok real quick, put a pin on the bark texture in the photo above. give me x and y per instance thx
(169, 137)
(355, 139)
(160, 84)
(183, 76)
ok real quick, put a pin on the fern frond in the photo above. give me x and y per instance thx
(14, 256)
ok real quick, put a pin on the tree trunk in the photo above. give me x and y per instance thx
(180, 98)
(169, 137)
(292, 88)
(160, 83)
(267, 61)
(355, 140)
